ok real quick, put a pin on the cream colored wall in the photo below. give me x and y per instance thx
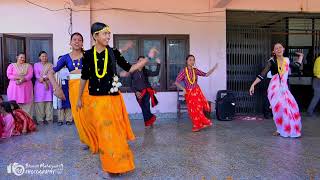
(18, 16)
(207, 39)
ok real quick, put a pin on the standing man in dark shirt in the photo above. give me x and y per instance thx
(144, 92)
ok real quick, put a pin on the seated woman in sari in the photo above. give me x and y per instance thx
(8, 120)
(23, 120)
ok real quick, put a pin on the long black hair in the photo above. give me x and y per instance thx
(42, 52)
(190, 55)
(76, 34)
(7, 108)
(21, 53)
(14, 105)
(140, 57)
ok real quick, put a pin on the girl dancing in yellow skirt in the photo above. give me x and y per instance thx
(105, 108)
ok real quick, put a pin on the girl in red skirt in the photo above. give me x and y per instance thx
(196, 102)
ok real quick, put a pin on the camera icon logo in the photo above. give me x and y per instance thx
(16, 169)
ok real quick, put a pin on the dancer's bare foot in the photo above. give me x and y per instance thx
(208, 125)
(196, 129)
(103, 175)
(275, 134)
(115, 174)
(85, 147)
(106, 175)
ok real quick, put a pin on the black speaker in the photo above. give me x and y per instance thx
(225, 105)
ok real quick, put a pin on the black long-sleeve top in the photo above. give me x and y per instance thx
(139, 79)
(272, 66)
(98, 87)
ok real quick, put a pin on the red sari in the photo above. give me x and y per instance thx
(22, 117)
(196, 101)
(18, 126)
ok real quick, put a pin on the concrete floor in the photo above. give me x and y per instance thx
(230, 150)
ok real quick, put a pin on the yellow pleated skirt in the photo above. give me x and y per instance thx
(113, 130)
(85, 129)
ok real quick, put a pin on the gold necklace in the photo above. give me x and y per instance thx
(45, 68)
(104, 72)
(76, 66)
(281, 67)
(193, 76)
(22, 68)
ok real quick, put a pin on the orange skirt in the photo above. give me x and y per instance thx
(112, 126)
(85, 130)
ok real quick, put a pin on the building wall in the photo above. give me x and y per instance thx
(207, 39)
(21, 17)
(275, 5)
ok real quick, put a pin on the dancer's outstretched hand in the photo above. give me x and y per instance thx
(216, 66)
(79, 104)
(124, 74)
(59, 93)
(251, 91)
(184, 91)
(138, 94)
(212, 70)
(300, 54)
(128, 45)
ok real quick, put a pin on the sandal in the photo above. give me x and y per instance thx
(275, 134)
(196, 129)
(207, 125)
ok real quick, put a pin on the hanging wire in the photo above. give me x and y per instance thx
(127, 10)
(43, 7)
(150, 12)
(192, 20)
(198, 17)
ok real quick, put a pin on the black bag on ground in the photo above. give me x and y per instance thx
(225, 105)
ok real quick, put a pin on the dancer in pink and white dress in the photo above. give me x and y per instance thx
(285, 109)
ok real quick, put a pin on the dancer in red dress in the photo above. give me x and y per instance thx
(196, 102)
